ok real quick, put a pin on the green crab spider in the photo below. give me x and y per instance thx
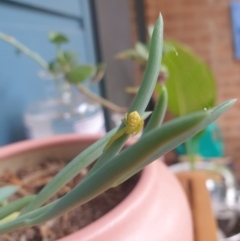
(133, 125)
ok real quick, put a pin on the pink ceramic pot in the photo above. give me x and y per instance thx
(156, 209)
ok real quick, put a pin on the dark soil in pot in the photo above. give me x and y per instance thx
(32, 179)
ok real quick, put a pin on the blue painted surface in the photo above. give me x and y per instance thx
(235, 16)
(20, 84)
(71, 7)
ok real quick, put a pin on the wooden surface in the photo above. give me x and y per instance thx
(205, 227)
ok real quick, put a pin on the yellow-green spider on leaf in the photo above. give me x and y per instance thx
(133, 125)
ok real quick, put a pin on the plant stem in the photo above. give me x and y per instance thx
(99, 99)
(24, 49)
(190, 154)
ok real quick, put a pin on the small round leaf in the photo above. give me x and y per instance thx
(80, 73)
(57, 38)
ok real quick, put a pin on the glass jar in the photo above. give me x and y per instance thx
(68, 112)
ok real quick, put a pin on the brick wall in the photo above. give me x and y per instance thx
(205, 26)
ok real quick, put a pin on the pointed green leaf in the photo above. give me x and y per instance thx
(152, 70)
(7, 191)
(15, 206)
(156, 118)
(145, 91)
(9, 218)
(150, 30)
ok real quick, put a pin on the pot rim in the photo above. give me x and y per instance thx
(26, 145)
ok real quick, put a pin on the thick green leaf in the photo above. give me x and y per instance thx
(145, 91)
(7, 191)
(157, 117)
(151, 73)
(191, 85)
(57, 38)
(80, 73)
(15, 206)
(21, 221)
(150, 30)
(9, 218)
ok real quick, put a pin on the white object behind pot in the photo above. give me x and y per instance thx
(51, 117)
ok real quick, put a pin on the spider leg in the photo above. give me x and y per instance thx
(115, 137)
(125, 121)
